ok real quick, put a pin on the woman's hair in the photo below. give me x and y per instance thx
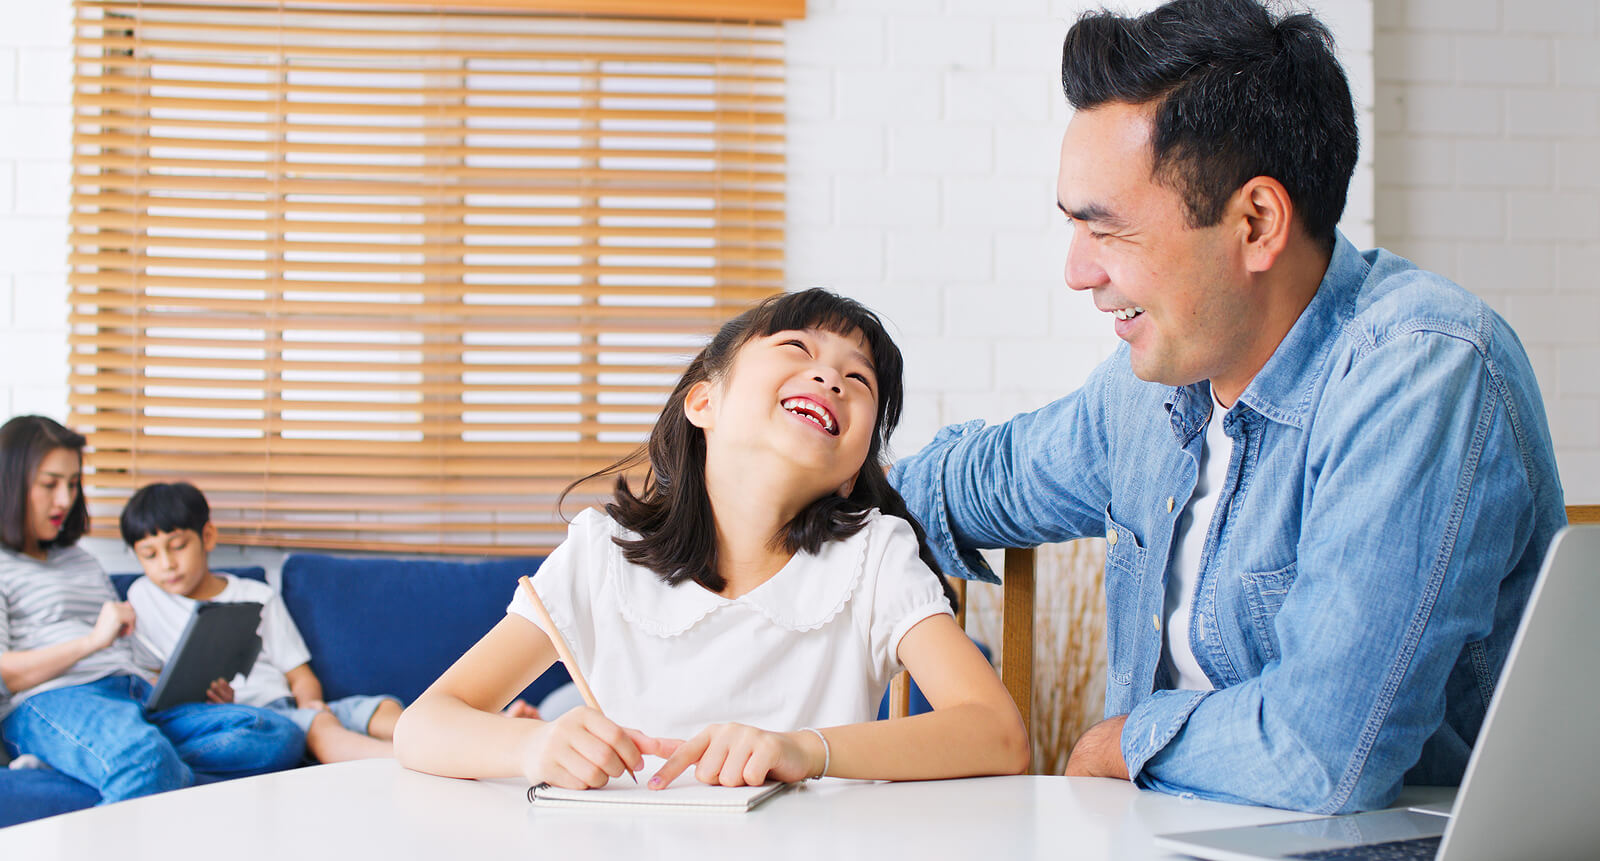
(24, 443)
(163, 507)
(672, 511)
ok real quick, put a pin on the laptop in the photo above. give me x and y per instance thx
(1532, 785)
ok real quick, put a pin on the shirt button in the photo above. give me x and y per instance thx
(1157, 620)
(1111, 538)
(1170, 500)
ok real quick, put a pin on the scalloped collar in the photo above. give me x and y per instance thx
(805, 594)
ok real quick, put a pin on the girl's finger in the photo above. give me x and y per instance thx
(709, 769)
(687, 753)
(597, 751)
(583, 770)
(756, 769)
(652, 746)
(733, 766)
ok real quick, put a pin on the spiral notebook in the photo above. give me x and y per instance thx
(685, 793)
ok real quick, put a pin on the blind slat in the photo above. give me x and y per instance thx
(374, 278)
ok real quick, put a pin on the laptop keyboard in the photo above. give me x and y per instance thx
(1419, 849)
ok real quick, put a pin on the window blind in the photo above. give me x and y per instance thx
(378, 277)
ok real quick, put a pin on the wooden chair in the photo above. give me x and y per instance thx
(1016, 627)
(1016, 636)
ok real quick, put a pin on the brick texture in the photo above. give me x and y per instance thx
(1489, 129)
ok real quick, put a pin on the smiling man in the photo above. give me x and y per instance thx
(1324, 476)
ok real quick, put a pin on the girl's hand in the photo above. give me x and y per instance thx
(582, 749)
(116, 620)
(219, 692)
(737, 755)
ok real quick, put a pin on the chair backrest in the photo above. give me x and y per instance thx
(1016, 636)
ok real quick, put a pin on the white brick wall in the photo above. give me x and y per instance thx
(923, 146)
(35, 98)
(1488, 170)
(959, 206)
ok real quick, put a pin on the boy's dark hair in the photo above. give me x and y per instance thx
(164, 508)
(672, 511)
(1238, 95)
(24, 443)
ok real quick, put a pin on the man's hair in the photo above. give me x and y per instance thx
(1237, 95)
(25, 441)
(164, 508)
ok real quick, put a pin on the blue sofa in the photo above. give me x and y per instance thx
(373, 625)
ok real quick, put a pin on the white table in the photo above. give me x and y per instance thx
(375, 809)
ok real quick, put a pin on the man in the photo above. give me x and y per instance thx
(1324, 476)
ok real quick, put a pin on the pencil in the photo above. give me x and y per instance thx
(564, 653)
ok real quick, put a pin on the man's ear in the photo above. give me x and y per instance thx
(698, 404)
(1268, 216)
(208, 536)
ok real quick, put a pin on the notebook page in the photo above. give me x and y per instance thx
(685, 793)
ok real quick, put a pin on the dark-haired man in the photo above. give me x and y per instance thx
(1324, 476)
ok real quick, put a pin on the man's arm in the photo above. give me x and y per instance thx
(1037, 478)
(1419, 506)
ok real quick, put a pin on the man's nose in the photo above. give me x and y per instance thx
(1083, 271)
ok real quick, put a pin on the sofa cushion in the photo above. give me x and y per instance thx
(30, 793)
(123, 581)
(392, 626)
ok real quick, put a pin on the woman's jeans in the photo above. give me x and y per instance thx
(100, 734)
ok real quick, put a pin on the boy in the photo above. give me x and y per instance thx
(169, 528)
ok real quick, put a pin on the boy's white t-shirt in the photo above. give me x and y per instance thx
(163, 615)
(814, 646)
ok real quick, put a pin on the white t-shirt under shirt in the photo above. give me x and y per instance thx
(815, 645)
(163, 615)
(1187, 547)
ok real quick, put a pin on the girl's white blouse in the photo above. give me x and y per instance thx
(813, 646)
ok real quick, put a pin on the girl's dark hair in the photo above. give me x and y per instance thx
(672, 511)
(1238, 95)
(24, 443)
(164, 508)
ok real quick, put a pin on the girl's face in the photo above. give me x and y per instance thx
(808, 397)
(54, 490)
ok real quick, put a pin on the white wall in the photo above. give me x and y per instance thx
(923, 146)
(923, 143)
(1488, 170)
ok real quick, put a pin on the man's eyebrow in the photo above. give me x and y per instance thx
(1093, 212)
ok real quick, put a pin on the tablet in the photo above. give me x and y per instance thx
(219, 642)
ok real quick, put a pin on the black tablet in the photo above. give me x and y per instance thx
(219, 642)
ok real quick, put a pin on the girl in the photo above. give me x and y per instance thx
(754, 598)
(70, 691)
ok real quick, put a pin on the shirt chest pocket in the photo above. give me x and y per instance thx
(1125, 566)
(1264, 593)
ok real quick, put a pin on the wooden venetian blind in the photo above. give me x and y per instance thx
(379, 276)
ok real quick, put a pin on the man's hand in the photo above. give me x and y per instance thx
(1098, 752)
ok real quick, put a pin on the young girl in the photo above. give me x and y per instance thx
(70, 690)
(744, 612)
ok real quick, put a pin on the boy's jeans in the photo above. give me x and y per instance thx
(99, 733)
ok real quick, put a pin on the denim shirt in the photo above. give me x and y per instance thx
(1390, 496)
